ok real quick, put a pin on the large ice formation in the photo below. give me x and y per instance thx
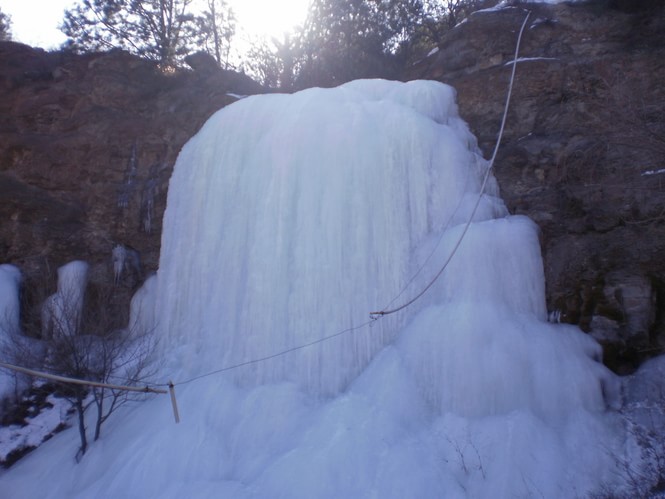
(290, 218)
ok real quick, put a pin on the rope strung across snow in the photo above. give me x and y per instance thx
(376, 315)
(74, 381)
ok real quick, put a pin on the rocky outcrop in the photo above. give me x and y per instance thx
(87, 144)
(583, 153)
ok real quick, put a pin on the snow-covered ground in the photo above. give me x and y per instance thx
(47, 419)
(290, 219)
(659, 171)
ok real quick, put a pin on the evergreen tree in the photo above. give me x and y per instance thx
(347, 39)
(162, 30)
(5, 27)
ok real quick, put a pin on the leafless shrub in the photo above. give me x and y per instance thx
(82, 340)
(87, 346)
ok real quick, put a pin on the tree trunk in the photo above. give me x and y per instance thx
(99, 400)
(215, 33)
(80, 410)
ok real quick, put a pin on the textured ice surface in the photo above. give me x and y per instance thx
(62, 311)
(292, 224)
(10, 279)
(290, 218)
(142, 308)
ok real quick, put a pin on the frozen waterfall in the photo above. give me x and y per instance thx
(290, 218)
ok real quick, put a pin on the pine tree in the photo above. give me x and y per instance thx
(5, 27)
(162, 30)
(347, 39)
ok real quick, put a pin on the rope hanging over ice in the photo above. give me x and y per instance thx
(376, 315)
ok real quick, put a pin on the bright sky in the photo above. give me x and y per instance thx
(35, 22)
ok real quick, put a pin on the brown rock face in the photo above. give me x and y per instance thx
(87, 144)
(583, 153)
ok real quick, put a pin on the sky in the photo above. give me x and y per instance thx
(35, 22)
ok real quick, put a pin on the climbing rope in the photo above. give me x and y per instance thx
(277, 354)
(381, 313)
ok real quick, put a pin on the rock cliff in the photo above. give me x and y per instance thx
(583, 153)
(87, 144)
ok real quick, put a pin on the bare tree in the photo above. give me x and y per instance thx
(123, 358)
(216, 28)
(271, 63)
(82, 339)
(88, 346)
(156, 29)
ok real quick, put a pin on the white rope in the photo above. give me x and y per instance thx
(376, 315)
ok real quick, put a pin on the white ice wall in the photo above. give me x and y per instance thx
(292, 217)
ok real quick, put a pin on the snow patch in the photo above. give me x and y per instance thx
(35, 430)
(529, 59)
(653, 172)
